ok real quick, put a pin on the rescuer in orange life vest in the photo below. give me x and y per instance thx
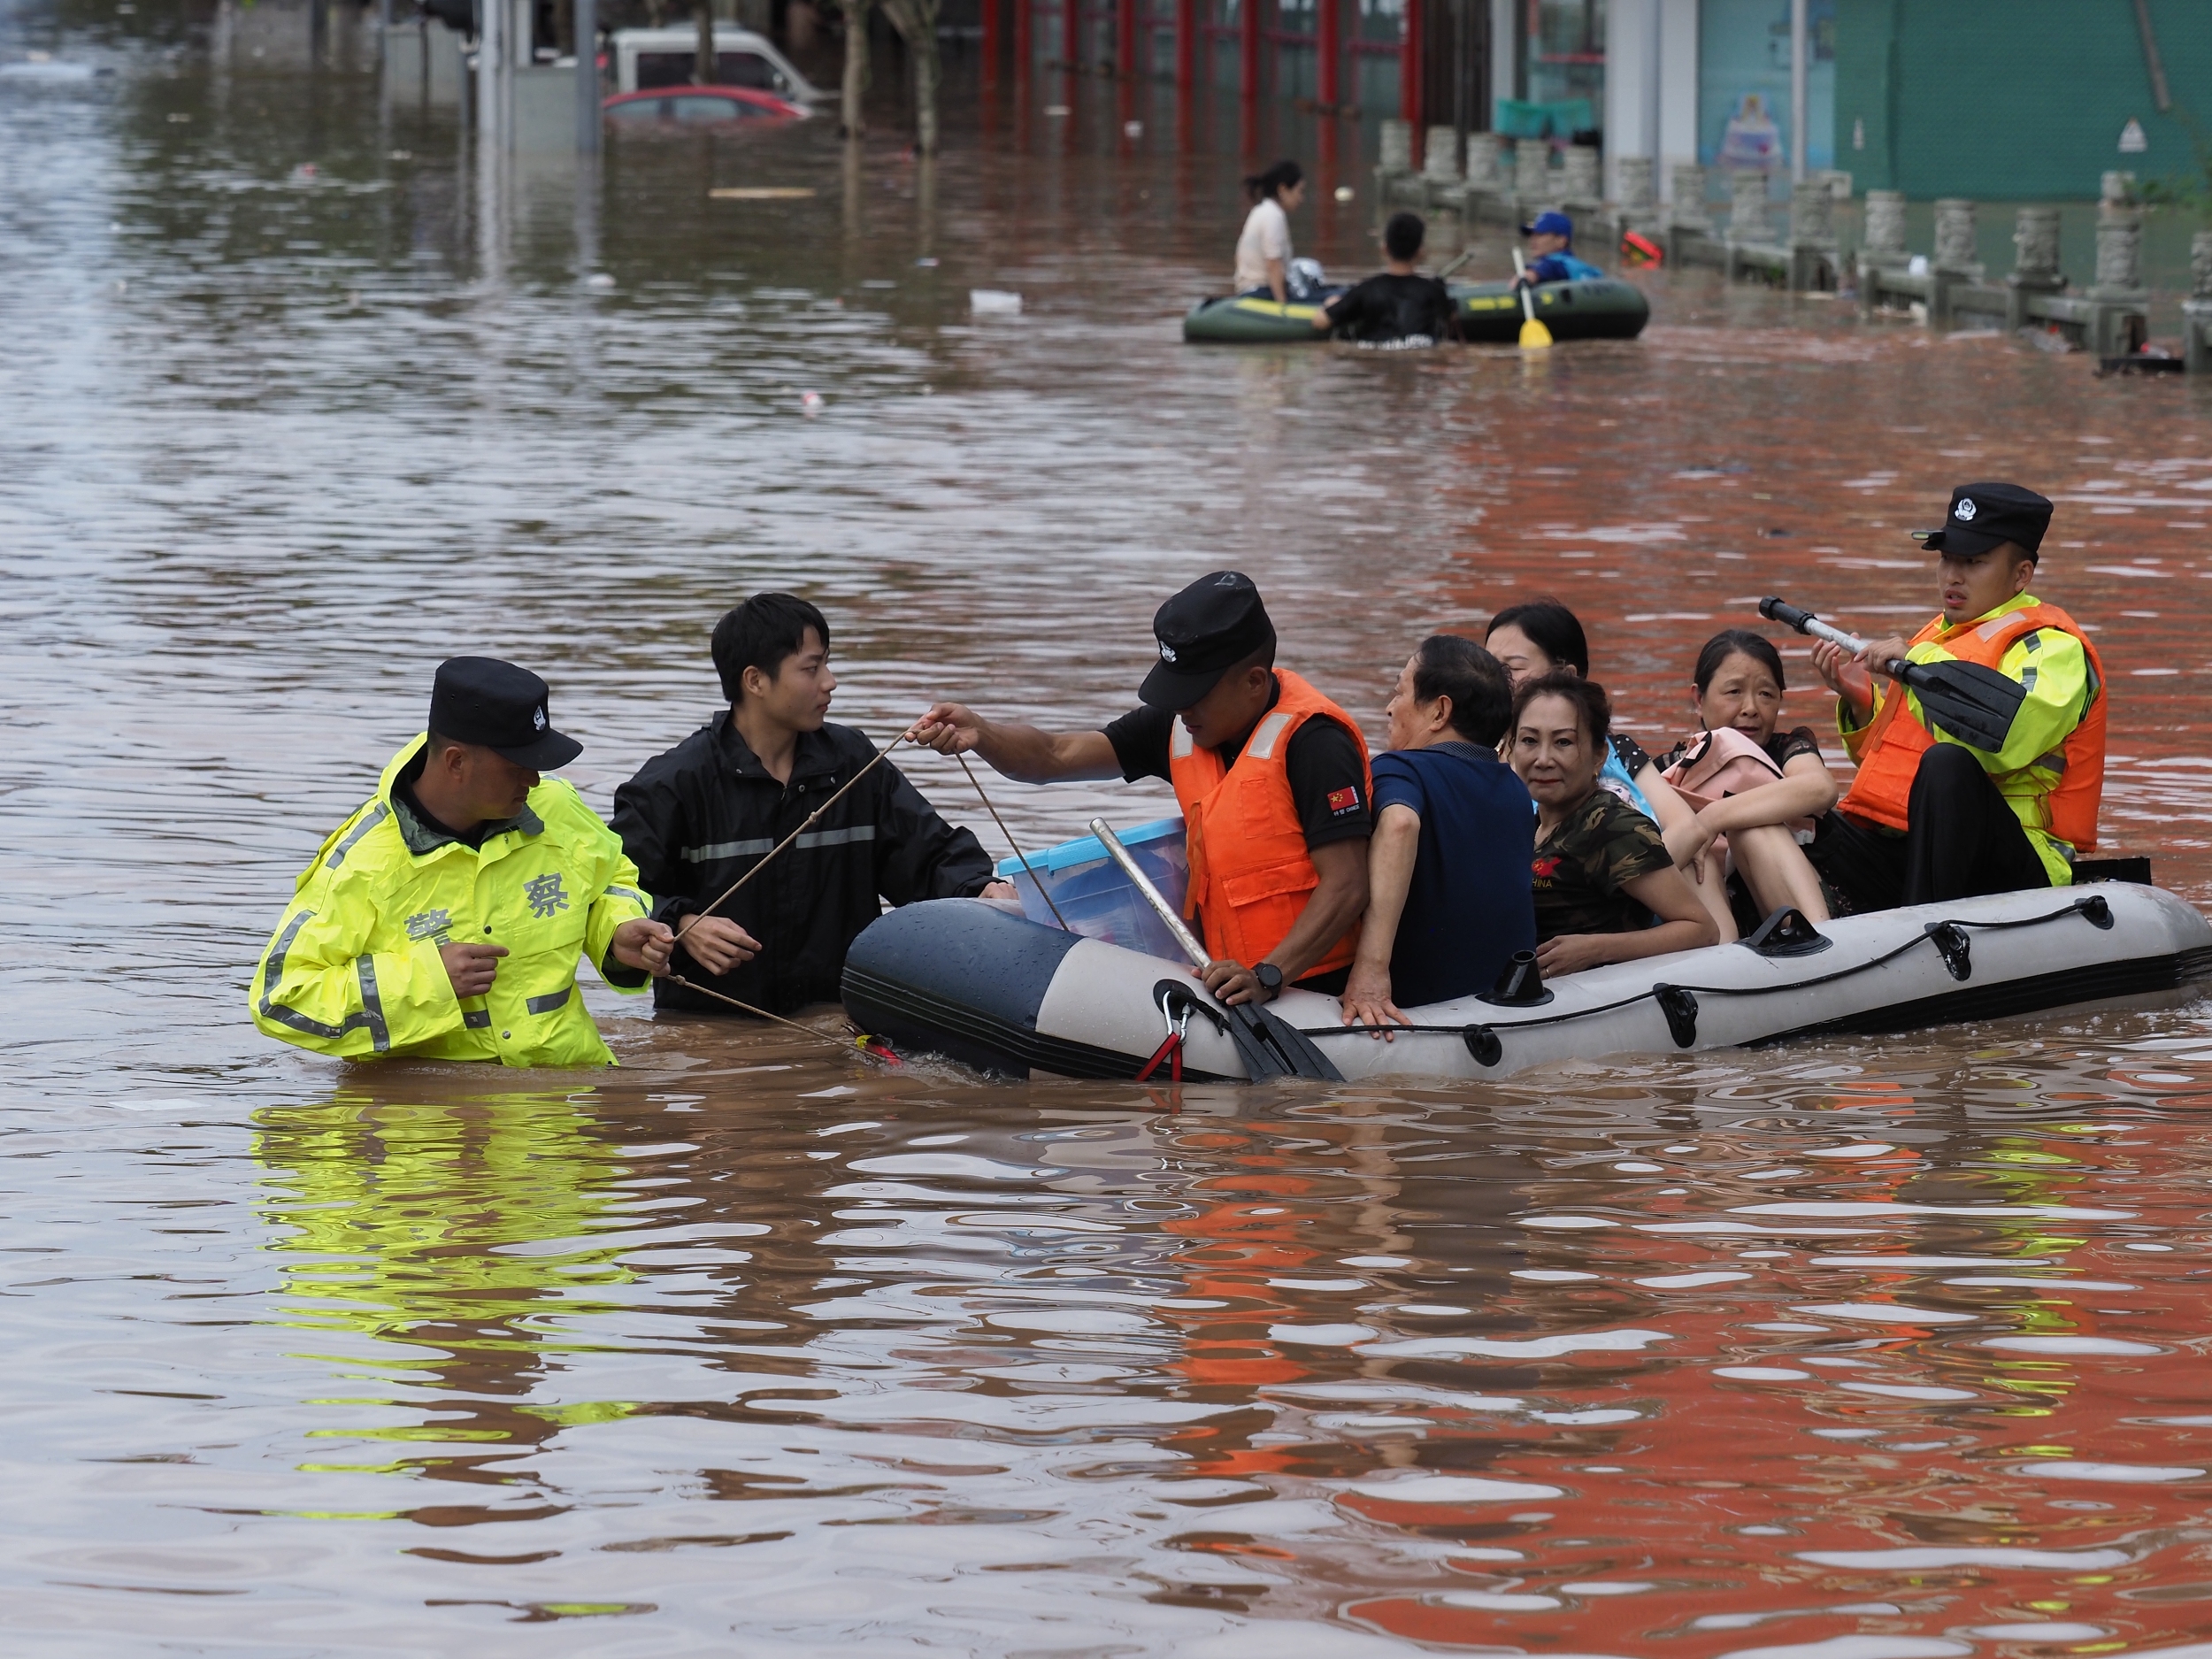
(1272, 776)
(1930, 817)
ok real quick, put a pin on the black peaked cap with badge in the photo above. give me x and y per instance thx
(1988, 516)
(1202, 632)
(495, 706)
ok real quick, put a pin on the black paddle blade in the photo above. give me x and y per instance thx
(1973, 703)
(1297, 1049)
(1271, 1047)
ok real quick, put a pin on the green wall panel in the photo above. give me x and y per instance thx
(2013, 100)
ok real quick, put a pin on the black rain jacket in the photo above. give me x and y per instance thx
(700, 815)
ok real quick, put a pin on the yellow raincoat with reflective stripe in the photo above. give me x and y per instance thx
(354, 970)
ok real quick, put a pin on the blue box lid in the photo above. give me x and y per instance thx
(1090, 849)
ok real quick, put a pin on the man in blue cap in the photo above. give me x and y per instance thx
(1551, 236)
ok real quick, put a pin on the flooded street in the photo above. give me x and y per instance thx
(1855, 1349)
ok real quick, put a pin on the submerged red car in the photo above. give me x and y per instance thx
(699, 106)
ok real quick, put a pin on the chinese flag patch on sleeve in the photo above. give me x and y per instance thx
(1344, 799)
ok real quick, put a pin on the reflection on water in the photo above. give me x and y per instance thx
(1887, 1347)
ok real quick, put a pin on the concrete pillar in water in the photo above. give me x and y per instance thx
(1640, 193)
(2119, 250)
(1439, 158)
(1690, 210)
(2121, 319)
(2196, 310)
(1955, 237)
(1747, 208)
(2035, 248)
(2034, 263)
(1812, 214)
(1395, 150)
(1812, 235)
(1580, 185)
(1485, 156)
(1885, 229)
(1532, 169)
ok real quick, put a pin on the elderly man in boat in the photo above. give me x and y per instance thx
(1272, 777)
(1931, 817)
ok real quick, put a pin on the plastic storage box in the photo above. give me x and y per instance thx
(1099, 902)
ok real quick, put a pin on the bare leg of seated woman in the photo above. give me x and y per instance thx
(1777, 872)
(1709, 880)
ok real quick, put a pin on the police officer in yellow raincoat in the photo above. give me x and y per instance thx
(444, 918)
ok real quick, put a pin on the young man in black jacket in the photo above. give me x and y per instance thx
(697, 817)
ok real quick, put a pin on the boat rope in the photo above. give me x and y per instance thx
(1033, 877)
(863, 1042)
(1948, 937)
(765, 858)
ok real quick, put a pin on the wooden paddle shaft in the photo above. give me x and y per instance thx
(1153, 896)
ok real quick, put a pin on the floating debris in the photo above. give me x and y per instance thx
(761, 193)
(993, 302)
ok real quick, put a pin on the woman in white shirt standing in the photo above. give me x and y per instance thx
(1263, 249)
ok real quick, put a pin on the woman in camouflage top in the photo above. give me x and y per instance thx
(1605, 887)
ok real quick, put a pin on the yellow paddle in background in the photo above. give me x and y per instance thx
(1534, 335)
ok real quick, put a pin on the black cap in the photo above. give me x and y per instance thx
(1203, 632)
(497, 706)
(1985, 515)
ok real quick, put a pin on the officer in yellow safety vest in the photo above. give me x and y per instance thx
(1930, 818)
(444, 918)
(1272, 776)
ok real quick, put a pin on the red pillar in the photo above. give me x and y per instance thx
(1126, 49)
(1331, 49)
(1410, 72)
(1249, 48)
(1021, 39)
(990, 42)
(1186, 44)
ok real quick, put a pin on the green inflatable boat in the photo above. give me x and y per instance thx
(1598, 308)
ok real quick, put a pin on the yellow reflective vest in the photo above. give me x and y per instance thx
(353, 968)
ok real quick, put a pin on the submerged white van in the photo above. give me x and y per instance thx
(646, 58)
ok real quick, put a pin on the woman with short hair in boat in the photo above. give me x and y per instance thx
(1263, 257)
(1542, 637)
(1447, 874)
(1605, 887)
(1752, 789)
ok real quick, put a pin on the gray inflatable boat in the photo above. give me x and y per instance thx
(974, 981)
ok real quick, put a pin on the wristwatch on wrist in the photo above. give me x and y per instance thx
(1271, 979)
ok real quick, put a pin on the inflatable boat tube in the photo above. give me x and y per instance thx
(973, 981)
(1601, 308)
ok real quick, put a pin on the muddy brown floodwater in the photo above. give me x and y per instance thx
(1843, 1350)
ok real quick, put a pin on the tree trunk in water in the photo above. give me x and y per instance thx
(916, 21)
(855, 121)
(925, 78)
(703, 63)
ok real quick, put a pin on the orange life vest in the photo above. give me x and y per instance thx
(1250, 873)
(1890, 754)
